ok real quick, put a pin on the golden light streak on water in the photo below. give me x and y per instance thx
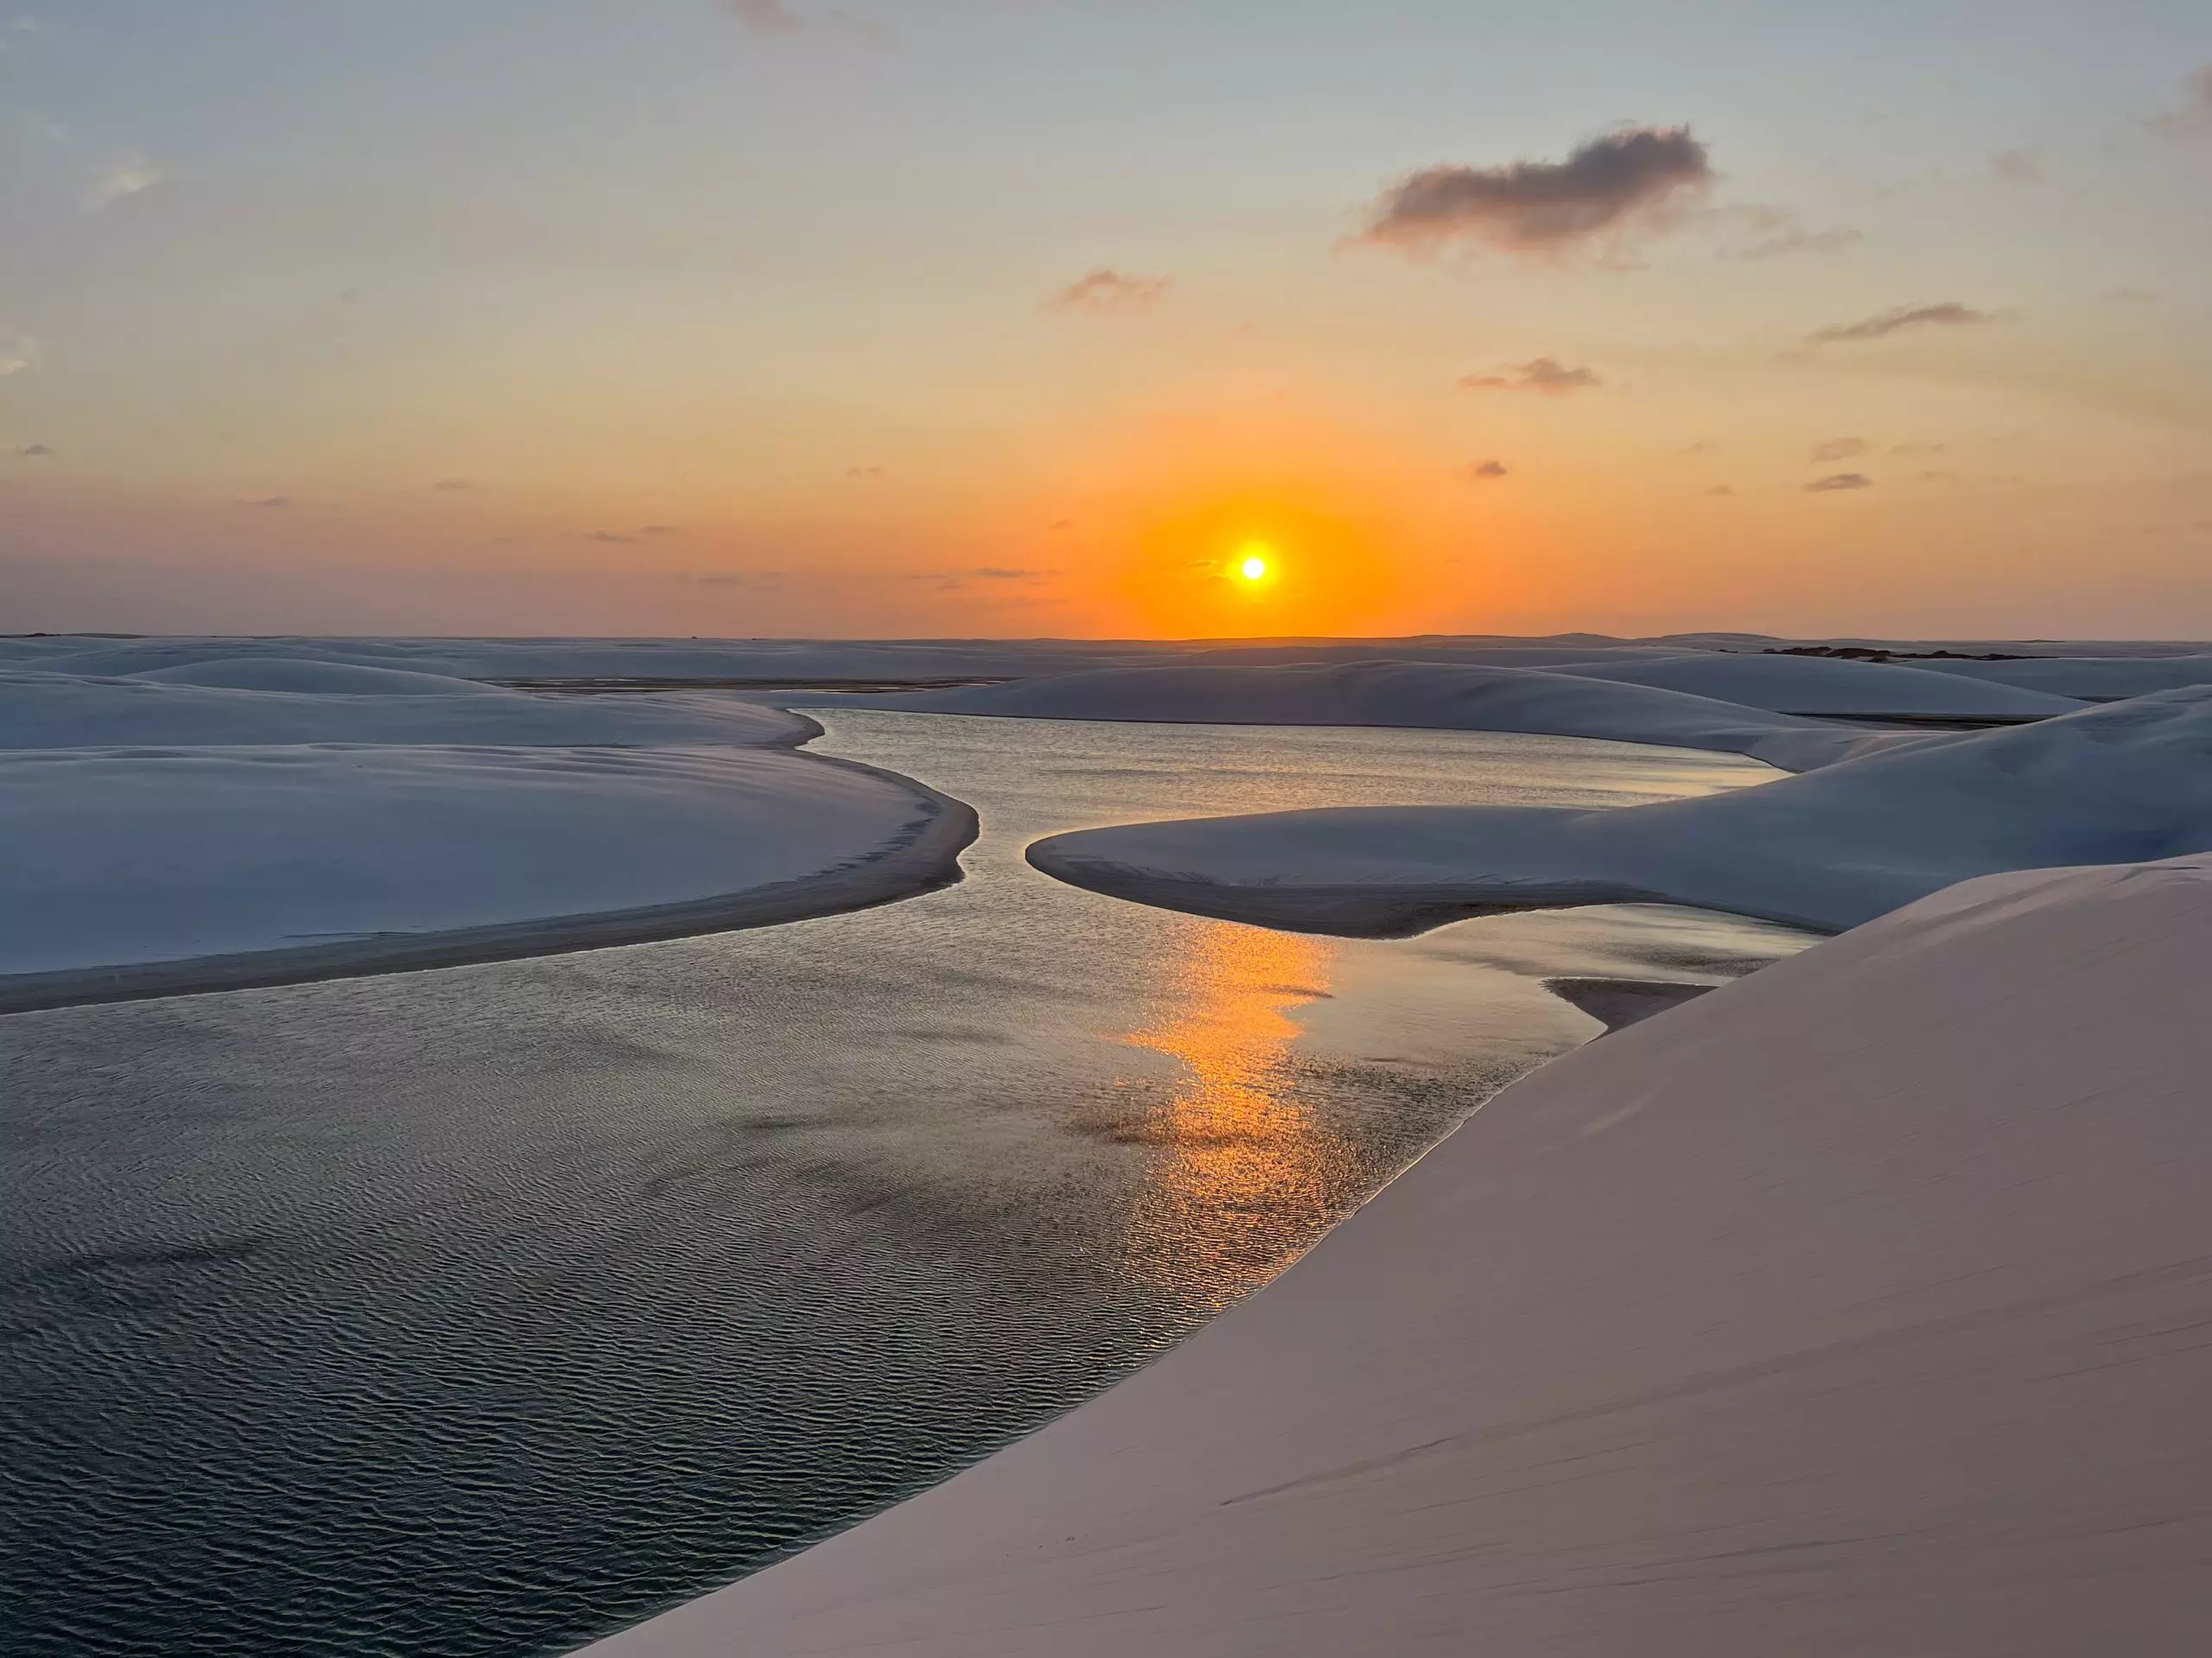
(1237, 1151)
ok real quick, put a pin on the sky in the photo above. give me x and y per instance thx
(1106, 318)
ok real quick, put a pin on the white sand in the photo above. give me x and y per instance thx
(1828, 849)
(264, 820)
(50, 710)
(120, 856)
(1859, 1308)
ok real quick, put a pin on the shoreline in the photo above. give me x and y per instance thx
(924, 859)
(1607, 1371)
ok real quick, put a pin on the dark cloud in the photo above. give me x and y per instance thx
(35, 452)
(769, 16)
(1838, 480)
(452, 485)
(1720, 489)
(1061, 523)
(1485, 470)
(1109, 293)
(1838, 448)
(2193, 119)
(610, 538)
(1949, 315)
(1611, 185)
(1544, 375)
(660, 530)
(2015, 167)
(267, 501)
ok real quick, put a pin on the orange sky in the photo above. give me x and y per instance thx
(1028, 321)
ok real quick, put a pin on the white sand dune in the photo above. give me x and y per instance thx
(52, 710)
(1819, 685)
(1731, 667)
(228, 820)
(2092, 679)
(1856, 1307)
(314, 678)
(259, 865)
(1452, 696)
(1829, 849)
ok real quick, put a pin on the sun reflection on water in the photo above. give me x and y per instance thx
(1244, 1172)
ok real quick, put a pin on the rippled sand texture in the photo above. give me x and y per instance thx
(480, 1311)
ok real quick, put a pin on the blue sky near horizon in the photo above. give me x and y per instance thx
(684, 315)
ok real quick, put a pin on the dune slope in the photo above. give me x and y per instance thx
(1829, 849)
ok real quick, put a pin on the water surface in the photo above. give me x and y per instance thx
(477, 1311)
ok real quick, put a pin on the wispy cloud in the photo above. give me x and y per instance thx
(1720, 489)
(610, 538)
(1546, 376)
(18, 352)
(1484, 471)
(453, 486)
(266, 503)
(2193, 117)
(131, 175)
(769, 16)
(1626, 180)
(864, 471)
(1107, 292)
(2015, 167)
(1949, 315)
(1838, 448)
(954, 581)
(1840, 480)
(1755, 231)
(33, 451)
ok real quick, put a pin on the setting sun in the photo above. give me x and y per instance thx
(1254, 569)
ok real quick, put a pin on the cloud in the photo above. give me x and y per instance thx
(33, 451)
(863, 472)
(767, 581)
(1624, 181)
(2015, 167)
(997, 573)
(768, 17)
(660, 530)
(1061, 523)
(1484, 471)
(18, 352)
(1720, 489)
(2194, 119)
(130, 176)
(610, 538)
(1109, 293)
(1838, 480)
(267, 502)
(1769, 232)
(1949, 315)
(1838, 448)
(452, 485)
(1544, 375)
